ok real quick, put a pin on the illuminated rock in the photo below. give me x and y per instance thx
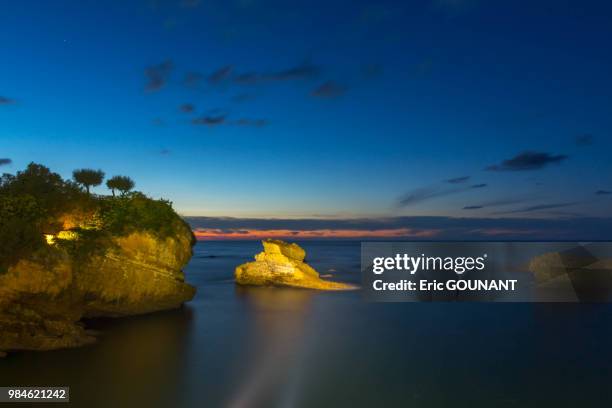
(553, 265)
(282, 264)
(42, 299)
(574, 274)
(139, 273)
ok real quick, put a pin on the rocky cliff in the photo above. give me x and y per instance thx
(282, 264)
(66, 255)
(42, 301)
(575, 274)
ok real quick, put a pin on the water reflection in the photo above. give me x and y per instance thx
(135, 362)
(279, 318)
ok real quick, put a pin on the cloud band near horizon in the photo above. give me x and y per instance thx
(410, 228)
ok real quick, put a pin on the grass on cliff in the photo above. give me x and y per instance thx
(34, 202)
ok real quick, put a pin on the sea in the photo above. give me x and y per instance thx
(235, 346)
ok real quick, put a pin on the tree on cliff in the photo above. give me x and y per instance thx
(49, 190)
(88, 177)
(121, 183)
(36, 203)
(29, 204)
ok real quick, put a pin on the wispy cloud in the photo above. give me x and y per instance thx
(251, 122)
(220, 75)
(603, 192)
(494, 203)
(302, 71)
(305, 70)
(528, 161)
(423, 194)
(420, 195)
(329, 89)
(209, 120)
(534, 208)
(222, 119)
(157, 75)
(458, 180)
(6, 101)
(187, 108)
(5, 161)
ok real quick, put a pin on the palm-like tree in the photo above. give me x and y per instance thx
(88, 177)
(121, 183)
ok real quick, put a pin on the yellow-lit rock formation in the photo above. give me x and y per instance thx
(282, 264)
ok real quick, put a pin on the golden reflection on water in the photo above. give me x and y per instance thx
(137, 364)
(279, 317)
(147, 360)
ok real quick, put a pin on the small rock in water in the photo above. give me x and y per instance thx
(282, 264)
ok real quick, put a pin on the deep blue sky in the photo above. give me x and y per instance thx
(349, 108)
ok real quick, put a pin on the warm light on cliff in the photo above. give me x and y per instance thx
(65, 235)
(68, 235)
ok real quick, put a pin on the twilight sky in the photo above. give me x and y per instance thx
(319, 110)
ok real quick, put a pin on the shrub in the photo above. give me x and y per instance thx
(136, 211)
(34, 201)
(48, 189)
(20, 228)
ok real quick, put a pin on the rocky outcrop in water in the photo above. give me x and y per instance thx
(575, 274)
(41, 303)
(66, 255)
(282, 264)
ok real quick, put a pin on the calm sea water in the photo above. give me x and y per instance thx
(270, 347)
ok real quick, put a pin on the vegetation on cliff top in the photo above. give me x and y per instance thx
(36, 204)
(122, 183)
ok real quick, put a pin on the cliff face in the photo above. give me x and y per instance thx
(42, 299)
(139, 274)
(282, 264)
(576, 274)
